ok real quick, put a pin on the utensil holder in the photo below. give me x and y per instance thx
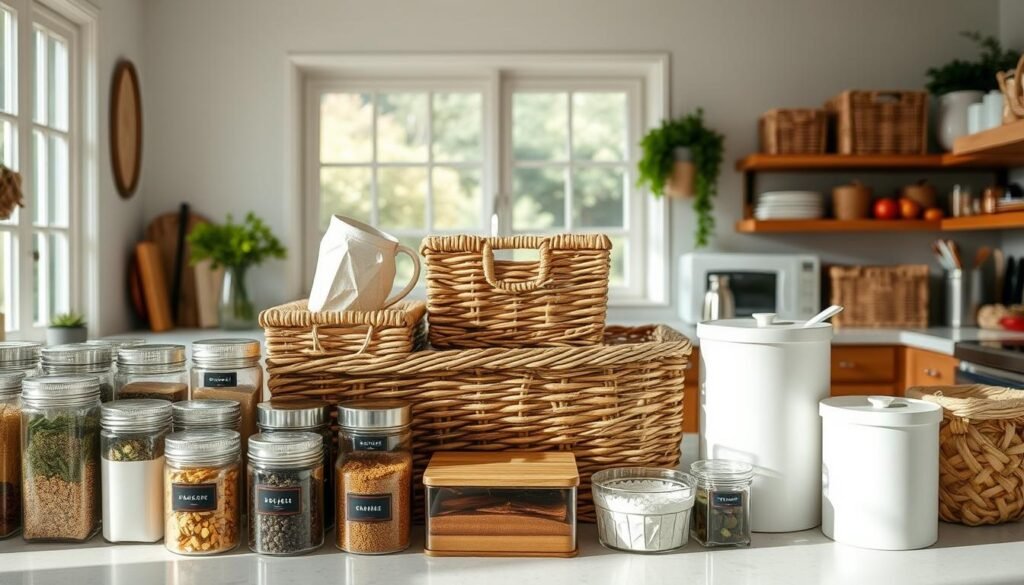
(963, 297)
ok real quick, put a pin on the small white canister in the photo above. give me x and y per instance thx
(880, 471)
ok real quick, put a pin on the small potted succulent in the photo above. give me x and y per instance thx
(66, 328)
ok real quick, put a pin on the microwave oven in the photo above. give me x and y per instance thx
(786, 284)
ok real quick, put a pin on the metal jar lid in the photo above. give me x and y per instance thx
(151, 354)
(206, 414)
(10, 383)
(118, 342)
(206, 447)
(225, 352)
(60, 390)
(374, 415)
(136, 414)
(19, 352)
(291, 414)
(286, 449)
(98, 355)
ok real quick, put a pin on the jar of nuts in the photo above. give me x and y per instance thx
(202, 492)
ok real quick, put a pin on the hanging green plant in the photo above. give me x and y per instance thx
(705, 152)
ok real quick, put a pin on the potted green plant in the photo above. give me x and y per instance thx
(680, 158)
(66, 328)
(236, 247)
(959, 83)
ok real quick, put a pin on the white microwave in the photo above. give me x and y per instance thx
(786, 284)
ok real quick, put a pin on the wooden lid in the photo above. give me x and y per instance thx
(502, 469)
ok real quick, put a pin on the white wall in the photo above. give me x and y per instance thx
(214, 84)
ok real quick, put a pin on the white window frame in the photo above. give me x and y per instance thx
(649, 72)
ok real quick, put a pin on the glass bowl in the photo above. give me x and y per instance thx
(643, 509)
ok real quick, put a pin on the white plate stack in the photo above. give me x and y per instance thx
(790, 205)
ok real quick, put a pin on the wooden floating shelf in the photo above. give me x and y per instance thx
(995, 221)
(893, 162)
(1006, 140)
(782, 226)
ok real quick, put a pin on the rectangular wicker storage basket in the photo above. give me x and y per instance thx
(881, 122)
(981, 452)
(881, 296)
(475, 301)
(793, 131)
(612, 404)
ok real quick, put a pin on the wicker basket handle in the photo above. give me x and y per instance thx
(519, 286)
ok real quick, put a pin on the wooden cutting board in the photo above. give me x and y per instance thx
(163, 231)
(154, 286)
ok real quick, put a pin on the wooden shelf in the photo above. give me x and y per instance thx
(1006, 140)
(781, 226)
(895, 162)
(995, 221)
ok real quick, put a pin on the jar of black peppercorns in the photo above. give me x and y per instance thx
(286, 493)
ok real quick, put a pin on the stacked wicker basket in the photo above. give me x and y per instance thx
(519, 358)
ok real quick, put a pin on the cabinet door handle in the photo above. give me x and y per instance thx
(931, 372)
(847, 365)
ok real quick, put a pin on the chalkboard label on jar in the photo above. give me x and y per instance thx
(200, 497)
(370, 443)
(220, 379)
(368, 508)
(727, 499)
(278, 501)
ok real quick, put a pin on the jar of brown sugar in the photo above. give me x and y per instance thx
(152, 371)
(229, 369)
(373, 476)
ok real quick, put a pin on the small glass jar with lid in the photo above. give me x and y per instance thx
(152, 371)
(202, 492)
(229, 369)
(60, 457)
(285, 493)
(94, 359)
(205, 415)
(20, 356)
(132, 436)
(721, 510)
(10, 453)
(116, 343)
(373, 476)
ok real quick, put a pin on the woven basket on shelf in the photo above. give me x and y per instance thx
(881, 296)
(475, 301)
(793, 131)
(981, 458)
(881, 122)
(612, 404)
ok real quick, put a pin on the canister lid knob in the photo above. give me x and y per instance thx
(881, 401)
(764, 319)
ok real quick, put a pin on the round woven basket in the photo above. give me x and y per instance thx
(981, 466)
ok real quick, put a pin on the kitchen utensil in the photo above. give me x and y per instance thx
(947, 253)
(954, 251)
(169, 232)
(941, 256)
(643, 509)
(154, 286)
(880, 464)
(982, 256)
(825, 315)
(999, 275)
(921, 192)
(852, 201)
(718, 301)
(765, 413)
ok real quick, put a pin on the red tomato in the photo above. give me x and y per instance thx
(886, 209)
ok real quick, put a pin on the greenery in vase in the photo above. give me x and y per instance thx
(67, 321)
(705, 145)
(980, 75)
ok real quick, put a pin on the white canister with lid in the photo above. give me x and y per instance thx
(880, 471)
(760, 383)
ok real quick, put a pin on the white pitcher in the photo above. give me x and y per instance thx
(356, 268)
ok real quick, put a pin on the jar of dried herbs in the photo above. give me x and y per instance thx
(286, 489)
(202, 488)
(205, 415)
(305, 415)
(94, 359)
(229, 369)
(721, 512)
(152, 371)
(373, 476)
(132, 451)
(20, 356)
(10, 453)
(60, 457)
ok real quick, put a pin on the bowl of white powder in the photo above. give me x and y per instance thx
(643, 509)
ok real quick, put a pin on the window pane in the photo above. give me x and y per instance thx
(39, 87)
(597, 197)
(346, 127)
(457, 198)
(8, 137)
(57, 75)
(345, 191)
(58, 198)
(539, 199)
(458, 120)
(8, 69)
(540, 126)
(619, 273)
(402, 127)
(59, 276)
(40, 288)
(8, 270)
(402, 197)
(599, 126)
(39, 199)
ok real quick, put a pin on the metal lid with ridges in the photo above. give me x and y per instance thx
(60, 389)
(77, 354)
(292, 414)
(118, 342)
(136, 414)
(210, 447)
(19, 351)
(10, 383)
(286, 448)
(206, 413)
(228, 349)
(151, 353)
(371, 415)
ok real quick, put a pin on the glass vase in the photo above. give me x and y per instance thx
(236, 308)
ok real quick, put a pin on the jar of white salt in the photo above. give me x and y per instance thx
(643, 509)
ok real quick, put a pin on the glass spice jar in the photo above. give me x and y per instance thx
(116, 343)
(10, 453)
(205, 415)
(202, 508)
(285, 493)
(94, 359)
(132, 436)
(373, 476)
(152, 371)
(20, 356)
(60, 463)
(229, 369)
(721, 511)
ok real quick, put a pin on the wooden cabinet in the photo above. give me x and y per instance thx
(865, 370)
(691, 395)
(927, 368)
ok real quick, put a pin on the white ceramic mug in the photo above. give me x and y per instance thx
(356, 268)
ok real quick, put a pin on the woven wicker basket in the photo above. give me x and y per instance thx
(881, 122)
(881, 296)
(618, 403)
(475, 301)
(981, 458)
(793, 131)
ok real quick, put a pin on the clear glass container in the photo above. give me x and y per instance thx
(152, 371)
(643, 509)
(132, 436)
(202, 492)
(205, 415)
(229, 369)
(116, 343)
(60, 464)
(10, 453)
(373, 476)
(20, 356)
(94, 359)
(721, 512)
(286, 493)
